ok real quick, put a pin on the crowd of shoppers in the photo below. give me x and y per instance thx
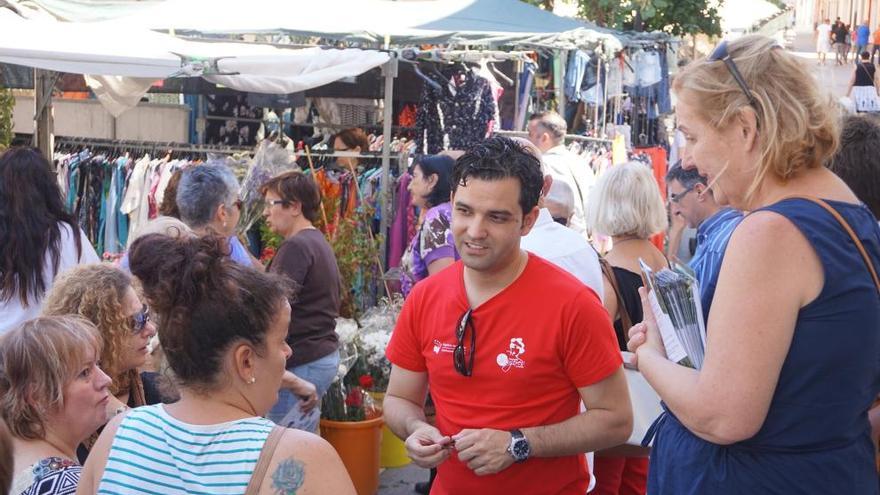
(192, 368)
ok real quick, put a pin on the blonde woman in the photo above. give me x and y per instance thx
(791, 367)
(105, 296)
(53, 396)
(625, 204)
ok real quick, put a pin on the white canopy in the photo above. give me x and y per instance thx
(483, 22)
(119, 51)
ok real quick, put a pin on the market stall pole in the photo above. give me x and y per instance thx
(389, 70)
(44, 125)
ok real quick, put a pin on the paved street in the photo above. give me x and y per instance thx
(400, 481)
(831, 76)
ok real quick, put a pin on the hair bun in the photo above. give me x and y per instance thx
(178, 271)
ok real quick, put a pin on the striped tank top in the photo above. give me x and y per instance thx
(154, 453)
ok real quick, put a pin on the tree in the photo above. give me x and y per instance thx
(676, 17)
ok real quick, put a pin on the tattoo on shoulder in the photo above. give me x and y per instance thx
(288, 477)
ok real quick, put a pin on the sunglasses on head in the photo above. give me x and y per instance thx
(463, 363)
(721, 54)
(140, 319)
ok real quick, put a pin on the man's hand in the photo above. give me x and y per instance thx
(427, 447)
(484, 451)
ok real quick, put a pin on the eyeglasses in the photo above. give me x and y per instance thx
(676, 198)
(273, 202)
(721, 54)
(139, 320)
(459, 356)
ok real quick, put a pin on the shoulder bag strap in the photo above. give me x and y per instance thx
(621, 305)
(843, 223)
(265, 458)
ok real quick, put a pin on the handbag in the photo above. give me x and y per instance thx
(645, 401)
(263, 461)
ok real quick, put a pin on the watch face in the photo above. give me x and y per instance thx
(521, 450)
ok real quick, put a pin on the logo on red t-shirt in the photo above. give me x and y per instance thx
(441, 347)
(511, 358)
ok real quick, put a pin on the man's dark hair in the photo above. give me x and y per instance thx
(498, 158)
(857, 160)
(687, 177)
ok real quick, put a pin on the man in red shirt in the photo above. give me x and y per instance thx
(509, 344)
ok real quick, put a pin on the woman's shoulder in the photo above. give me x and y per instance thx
(443, 210)
(49, 476)
(306, 461)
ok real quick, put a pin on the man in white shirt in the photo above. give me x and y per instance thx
(547, 132)
(823, 40)
(560, 245)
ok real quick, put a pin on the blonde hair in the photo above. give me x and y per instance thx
(37, 361)
(97, 292)
(626, 201)
(797, 124)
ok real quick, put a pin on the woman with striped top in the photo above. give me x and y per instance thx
(223, 329)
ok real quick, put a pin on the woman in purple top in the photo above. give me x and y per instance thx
(432, 248)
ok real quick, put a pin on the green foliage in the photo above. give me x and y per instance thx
(7, 103)
(356, 253)
(676, 17)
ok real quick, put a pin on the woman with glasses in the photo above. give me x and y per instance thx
(105, 296)
(791, 368)
(625, 204)
(352, 140)
(208, 202)
(39, 239)
(53, 395)
(306, 259)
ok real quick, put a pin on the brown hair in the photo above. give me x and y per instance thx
(353, 138)
(6, 463)
(797, 123)
(168, 207)
(96, 292)
(296, 186)
(205, 303)
(37, 361)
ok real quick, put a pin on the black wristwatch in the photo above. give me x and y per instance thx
(519, 447)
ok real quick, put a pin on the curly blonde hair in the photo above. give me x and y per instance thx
(797, 122)
(96, 292)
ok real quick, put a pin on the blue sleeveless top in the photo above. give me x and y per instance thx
(816, 437)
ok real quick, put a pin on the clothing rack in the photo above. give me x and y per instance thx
(568, 137)
(449, 56)
(155, 146)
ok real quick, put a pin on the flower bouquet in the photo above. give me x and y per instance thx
(270, 160)
(347, 398)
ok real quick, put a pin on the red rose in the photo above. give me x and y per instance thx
(355, 398)
(366, 381)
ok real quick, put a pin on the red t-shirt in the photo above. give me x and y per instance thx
(538, 341)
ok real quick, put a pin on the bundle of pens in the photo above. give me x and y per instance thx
(674, 296)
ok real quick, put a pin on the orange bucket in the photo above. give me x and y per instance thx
(358, 443)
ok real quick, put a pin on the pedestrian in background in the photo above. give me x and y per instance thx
(864, 85)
